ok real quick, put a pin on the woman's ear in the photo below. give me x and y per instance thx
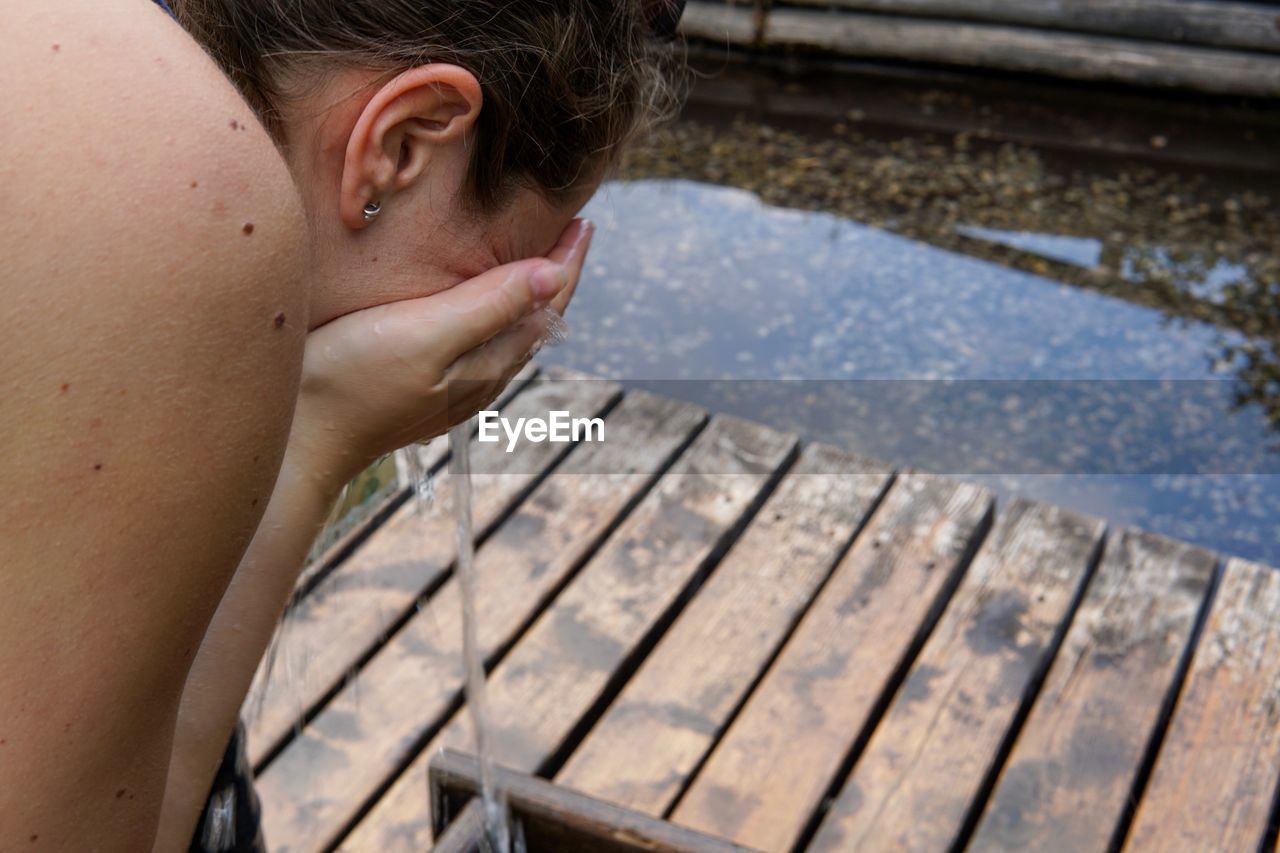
(401, 130)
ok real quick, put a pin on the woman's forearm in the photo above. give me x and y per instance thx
(239, 634)
(372, 381)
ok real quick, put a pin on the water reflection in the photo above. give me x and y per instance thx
(1052, 391)
(1198, 245)
(1084, 252)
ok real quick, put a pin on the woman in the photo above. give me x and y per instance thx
(198, 334)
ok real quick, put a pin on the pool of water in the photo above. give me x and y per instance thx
(926, 355)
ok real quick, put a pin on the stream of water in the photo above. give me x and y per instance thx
(496, 824)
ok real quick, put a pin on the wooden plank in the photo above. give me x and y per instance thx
(1075, 56)
(1111, 123)
(1067, 783)
(719, 23)
(671, 712)
(915, 783)
(550, 817)
(781, 755)
(318, 784)
(343, 618)
(1251, 26)
(1215, 776)
(1014, 49)
(563, 666)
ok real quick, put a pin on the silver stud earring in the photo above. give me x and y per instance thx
(371, 210)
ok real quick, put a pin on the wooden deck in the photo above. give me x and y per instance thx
(783, 645)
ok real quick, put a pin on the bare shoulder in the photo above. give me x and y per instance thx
(118, 122)
(152, 314)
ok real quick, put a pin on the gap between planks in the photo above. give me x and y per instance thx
(1214, 783)
(603, 623)
(654, 736)
(400, 699)
(780, 758)
(933, 752)
(1081, 751)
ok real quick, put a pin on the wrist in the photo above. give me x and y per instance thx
(316, 461)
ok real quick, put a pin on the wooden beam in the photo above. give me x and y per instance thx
(1068, 781)
(553, 818)
(720, 23)
(1014, 49)
(1071, 55)
(1250, 26)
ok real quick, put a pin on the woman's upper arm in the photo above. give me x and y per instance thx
(152, 313)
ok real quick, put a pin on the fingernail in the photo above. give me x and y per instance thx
(586, 229)
(548, 280)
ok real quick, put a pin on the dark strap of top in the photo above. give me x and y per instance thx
(163, 5)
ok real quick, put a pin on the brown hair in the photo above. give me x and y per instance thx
(566, 82)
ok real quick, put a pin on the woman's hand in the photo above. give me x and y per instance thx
(388, 376)
(372, 381)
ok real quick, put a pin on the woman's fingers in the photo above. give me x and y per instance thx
(571, 252)
(527, 286)
(464, 317)
(502, 356)
(476, 379)
(452, 322)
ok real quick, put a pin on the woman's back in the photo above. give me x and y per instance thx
(152, 320)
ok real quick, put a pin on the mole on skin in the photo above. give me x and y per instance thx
(279, 321)
(247, 229)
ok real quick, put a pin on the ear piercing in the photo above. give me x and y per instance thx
(371, 210)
